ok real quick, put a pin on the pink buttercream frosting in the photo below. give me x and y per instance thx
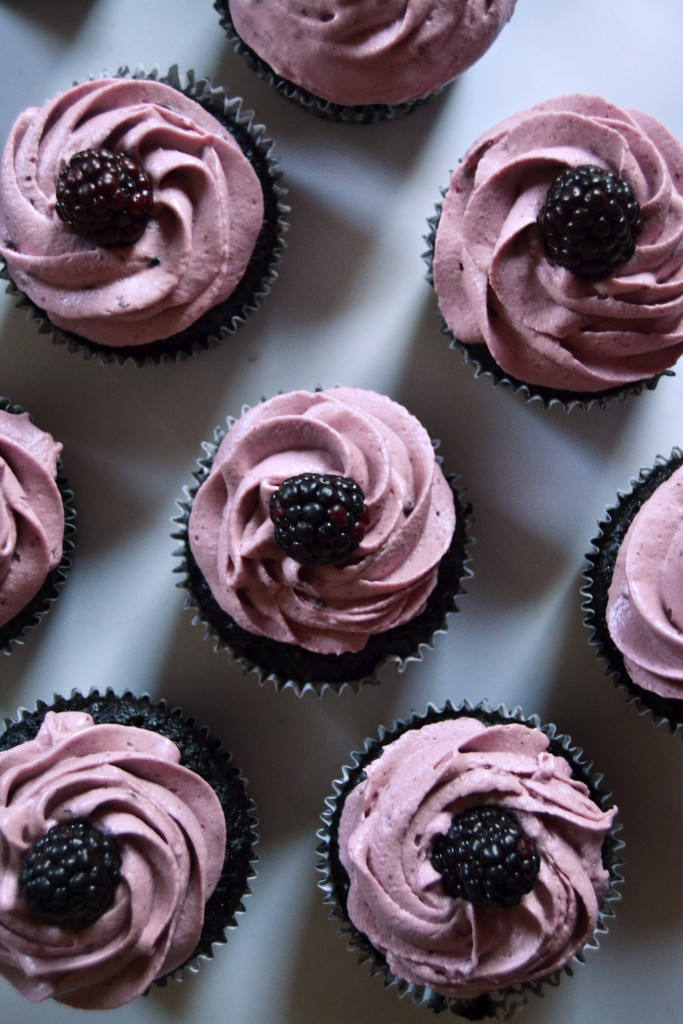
(362, 52)
(328, 609)
(496, 286)
(645, 603)
(207, 214)
(31, 511)
(396, 898)
(170, 830)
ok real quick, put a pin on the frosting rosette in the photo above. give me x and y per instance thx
(645, 601)
(31, 511)
(329, 609)
(361, 52)
(207, 214)
(170, 830)
(408, 794)
(499, 292)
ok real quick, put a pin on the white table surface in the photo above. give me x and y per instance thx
(352, 306)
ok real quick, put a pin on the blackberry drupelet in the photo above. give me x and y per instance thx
(105, 196)
(590, 221)
(486, 858)
(319, 519)
(70, 875)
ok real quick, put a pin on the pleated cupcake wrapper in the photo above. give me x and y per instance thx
(129, 709)
(501, 1003)
(598, 575)
(14, 632)
(293, 668)
(224, 319)
(485, 365)
(369, 113)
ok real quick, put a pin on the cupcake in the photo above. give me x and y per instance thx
(557, 254)
(470, 857)
(634, 594)
(140, 216)
(36, 524)
(322, 538)
(354, 62)
(167, 826)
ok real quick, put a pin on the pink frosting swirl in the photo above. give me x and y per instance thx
(645, 602)
(170, 829)
(31, 511)
(208, 211)
(360, 52)
(396, 898)
(495, 285)
(328, 609)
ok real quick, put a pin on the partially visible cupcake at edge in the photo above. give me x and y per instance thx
(323, 538)
(126, 840)
(470, 855)
(634, 594)
(360, 61)
(557, 252)
(141, 216)
(36, 524)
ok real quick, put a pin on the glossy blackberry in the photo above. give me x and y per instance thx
(590, 222)
(105, 196)
(319, 519)
(486, 858)
(70, 874)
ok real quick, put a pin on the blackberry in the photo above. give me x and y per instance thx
(590, 222)
(70, 874)
(319, 519)
(486, 858)
(105, 196)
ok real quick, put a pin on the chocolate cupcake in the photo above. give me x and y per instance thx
(141, 216)
(555, 254)
(37, 524)
(354, 63)
(293, 572)
(127, 840)
(470, 857)
(634, 591)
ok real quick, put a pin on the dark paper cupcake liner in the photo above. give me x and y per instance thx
(201, 754)
(15, 631)
(291, 667)
(223, 319)
(369, 113)
(598, 575)
(485, 365)
(500, 1004)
